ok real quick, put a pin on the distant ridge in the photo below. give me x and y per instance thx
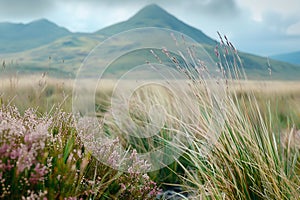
(154, 16)
(28, 47)
(292, 57)
(16, 37)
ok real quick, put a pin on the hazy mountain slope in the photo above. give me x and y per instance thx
(293, 57)
(63, 52)
(19, 37)
(60, 58)
(154, 16)
(257, 67)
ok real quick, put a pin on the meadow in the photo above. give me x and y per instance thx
(239, 143)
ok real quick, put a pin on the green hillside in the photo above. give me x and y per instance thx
(61, 53)
(154, 16)
(19, 37)
(293, 57)
(256, 67)
(60, 58)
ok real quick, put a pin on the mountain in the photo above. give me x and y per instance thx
(292, 57)
(154, 16)
(43, 46)
(19, 37)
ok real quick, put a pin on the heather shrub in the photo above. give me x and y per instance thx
(23, 161)
(43, 157)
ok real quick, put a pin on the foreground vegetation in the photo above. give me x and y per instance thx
(255, 156)
(42, 156)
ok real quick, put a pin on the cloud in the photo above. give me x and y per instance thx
(276, 23)
(76, 14)
(216, 9)
(260, 7)
(219, 8)
(258, 26)
(28, 8)
(294, 29)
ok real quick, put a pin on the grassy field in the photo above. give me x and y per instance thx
(45, 93)
(255, 157)
(214, 138)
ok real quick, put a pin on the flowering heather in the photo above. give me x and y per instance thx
(135, 184)
(22, 150)
(43, 158)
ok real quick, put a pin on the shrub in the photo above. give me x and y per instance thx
(43, 157)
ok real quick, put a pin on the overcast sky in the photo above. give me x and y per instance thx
(263, 27)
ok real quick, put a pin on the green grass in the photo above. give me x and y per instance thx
(255, 156)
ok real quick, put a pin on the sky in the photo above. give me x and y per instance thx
(262, 27)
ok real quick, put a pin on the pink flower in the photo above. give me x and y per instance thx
(145, 176)
(4, 149)
(123, 186)
(14, 154)
(38, 173)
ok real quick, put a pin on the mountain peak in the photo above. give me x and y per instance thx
(155, 16)
(41, 21)
(151, 11)
(152, 7)
(45, 23)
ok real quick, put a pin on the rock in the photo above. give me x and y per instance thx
(172, 193)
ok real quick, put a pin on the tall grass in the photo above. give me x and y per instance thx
(250, 160)
(254, 156)
(248, 149)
